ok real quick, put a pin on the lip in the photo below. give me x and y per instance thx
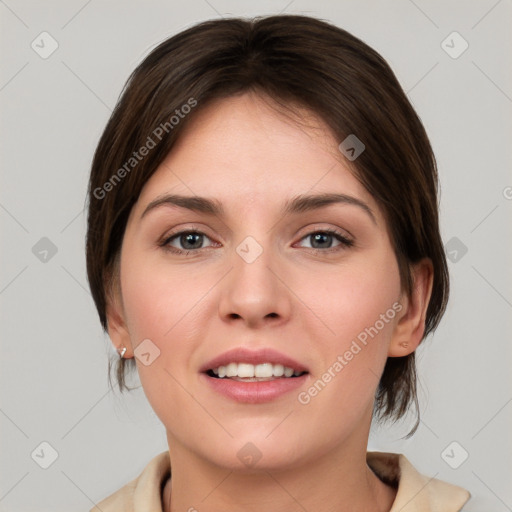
(254, 392)
(259, 356)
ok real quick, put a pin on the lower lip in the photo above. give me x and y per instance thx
(254, 392)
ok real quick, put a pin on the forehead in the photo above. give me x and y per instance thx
(245, 152)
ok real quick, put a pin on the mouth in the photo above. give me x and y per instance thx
(254, 376)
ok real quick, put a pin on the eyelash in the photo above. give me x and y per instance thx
(345, 242)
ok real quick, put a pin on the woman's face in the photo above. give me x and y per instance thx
(264, 273)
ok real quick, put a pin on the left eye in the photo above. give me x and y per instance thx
(319, 239)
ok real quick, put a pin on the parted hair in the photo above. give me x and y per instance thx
(295, 60)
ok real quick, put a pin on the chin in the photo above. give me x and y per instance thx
(253, 454)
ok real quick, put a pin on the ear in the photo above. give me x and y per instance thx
(410, 327)
(117, 327)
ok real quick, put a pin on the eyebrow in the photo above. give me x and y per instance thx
(298, 204)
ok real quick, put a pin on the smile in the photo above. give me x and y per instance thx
(254, 373)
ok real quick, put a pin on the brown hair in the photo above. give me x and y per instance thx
(296, 60)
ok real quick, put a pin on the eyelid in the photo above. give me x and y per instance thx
(310, 229)
(185, 228)
(321, 227)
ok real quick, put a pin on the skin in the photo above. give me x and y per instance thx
(309, 305)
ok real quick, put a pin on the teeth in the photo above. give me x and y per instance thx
(245, 370)
(231, 370)
(278, 370)
(264, 370)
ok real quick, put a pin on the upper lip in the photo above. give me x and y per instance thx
(259, 356)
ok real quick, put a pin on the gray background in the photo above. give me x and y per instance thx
(53, 379)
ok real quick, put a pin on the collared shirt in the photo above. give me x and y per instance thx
(415, 491)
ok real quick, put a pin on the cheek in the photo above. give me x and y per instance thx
(357, 305)
(169, 306)
(158, 298)
(163, 305)
(349, 299)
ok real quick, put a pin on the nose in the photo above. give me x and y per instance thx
(255, 293)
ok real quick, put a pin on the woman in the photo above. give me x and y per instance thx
(263, 245)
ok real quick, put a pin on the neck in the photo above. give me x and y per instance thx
(341, 477)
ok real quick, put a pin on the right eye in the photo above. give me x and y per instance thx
(190, 241)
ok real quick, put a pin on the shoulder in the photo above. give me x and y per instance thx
(416, 492)
(142, 493)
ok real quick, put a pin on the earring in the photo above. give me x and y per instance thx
(121, 352)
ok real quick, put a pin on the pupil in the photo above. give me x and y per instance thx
(185, 239)
(319, 236)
